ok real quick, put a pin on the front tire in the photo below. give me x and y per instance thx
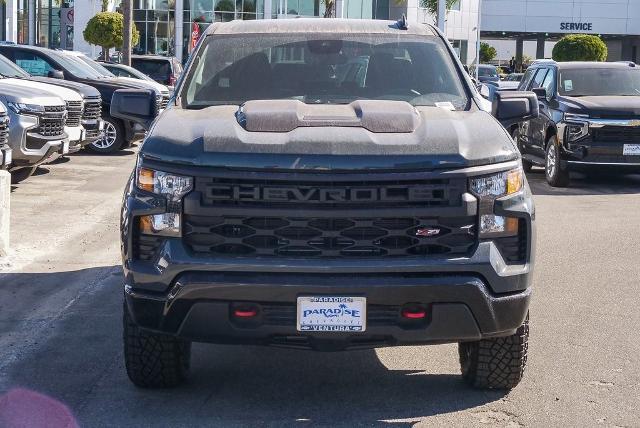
(154, 360)
(113, 138)
(496, 363)
(555, 174)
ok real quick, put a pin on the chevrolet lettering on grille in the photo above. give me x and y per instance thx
(249, 193)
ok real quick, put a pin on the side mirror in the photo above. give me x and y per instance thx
(136, 105)
(485, 90)
(55, 74)
(541, 93)
(511, 107)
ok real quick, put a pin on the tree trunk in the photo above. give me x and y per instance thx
(128, 24)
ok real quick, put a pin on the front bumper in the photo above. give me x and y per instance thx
(92, 130)
(6, 156)
(199, 308)
(31, 149)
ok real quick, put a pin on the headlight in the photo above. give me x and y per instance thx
(577, 126)
(172, 186)
(20, 108)
(487, 189)
(498, 185)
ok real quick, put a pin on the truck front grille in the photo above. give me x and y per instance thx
(92, 109)
(372, 215)
(162, 101)
(52, 121)
(329, 237)
(4, 129)
(617, 134)
(74, 113)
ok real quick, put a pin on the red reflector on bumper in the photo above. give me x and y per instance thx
(245, 313)
(414, 314)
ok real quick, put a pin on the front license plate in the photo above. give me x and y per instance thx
(65, 147)
(631, 149)
(8, 157)
(332, 313)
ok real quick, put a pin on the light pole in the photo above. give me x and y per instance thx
(478, 38)
(442, 12)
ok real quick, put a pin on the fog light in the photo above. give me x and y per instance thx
(166, 224)
(491, 225)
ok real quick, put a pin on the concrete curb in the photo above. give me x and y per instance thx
(5, 193)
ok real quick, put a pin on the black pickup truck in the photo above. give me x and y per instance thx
(589, 119)
(329, 185)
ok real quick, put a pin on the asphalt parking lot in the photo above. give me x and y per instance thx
(60, 327)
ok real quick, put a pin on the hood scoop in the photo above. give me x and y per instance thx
(286, 115)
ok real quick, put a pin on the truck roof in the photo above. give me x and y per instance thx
(319, 25)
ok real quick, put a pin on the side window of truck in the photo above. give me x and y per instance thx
(32, 63)
(526, 79)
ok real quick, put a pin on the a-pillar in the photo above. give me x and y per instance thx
(540, 46)
(519, 53)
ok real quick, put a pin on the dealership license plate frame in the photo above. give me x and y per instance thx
(631, 150)
(345, 322)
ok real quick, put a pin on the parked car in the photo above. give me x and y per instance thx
(327, 210)
(589, 118)
(50, 63)
(486, 73)
(121, 70)
(162, 69)
(36, 127)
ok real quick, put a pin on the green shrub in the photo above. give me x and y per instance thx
(580, 47)
(487, 52)
(106, 29)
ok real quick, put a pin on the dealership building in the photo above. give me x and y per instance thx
(516, 27)
(514, 24)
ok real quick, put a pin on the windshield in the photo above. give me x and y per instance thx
(9, 69)
(513, 78)
(322, 68)
(99, 68)
(76, 66)
(487, 71)
(599, 81)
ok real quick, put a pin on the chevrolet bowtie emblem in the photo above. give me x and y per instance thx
(427, 231)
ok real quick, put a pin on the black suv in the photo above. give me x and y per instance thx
(589, 118)
(162, 69)
(330, 185)
(50, 63)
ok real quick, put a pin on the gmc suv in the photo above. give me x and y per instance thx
(589, 118)
(287, 197)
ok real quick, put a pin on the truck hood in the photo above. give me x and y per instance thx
(20, 94)
(85, 90)
(64, 93)
(432, 138)
(604, 106)
(152, 85)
